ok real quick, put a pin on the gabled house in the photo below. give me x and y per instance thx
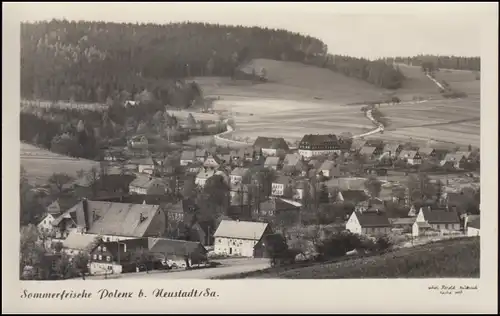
(272, 162)
(454, 159)
(180, 252)
(201, 154)
(187, 157)
(115, 257)
(317, 145)
(44, 225)
(212, 161)
(281, 185)
(174, 212)
(113, 220)
(238, 193)
(473, 227)
(438, 220)
(270, 146)
(412, 157)
(146, 184)
(357, 144)
(369, 223)
(329, 169)
(240, 238)
(371, 204)
(352, 196)
(367, 151)
(77, 242)
(392, 150)
(203, 175)
(146, 165)
(427, 152)
(238, 174)
(273, 207)
(293, 164)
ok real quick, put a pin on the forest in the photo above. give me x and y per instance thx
(445, 62)
(93, 61)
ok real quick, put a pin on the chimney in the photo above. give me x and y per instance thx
(86, 218)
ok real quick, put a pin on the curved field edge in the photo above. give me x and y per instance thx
(453, 258)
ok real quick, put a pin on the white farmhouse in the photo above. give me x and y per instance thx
(240, 238)
(368, 223)
(145, 184)
(45, 225)
(436, 220)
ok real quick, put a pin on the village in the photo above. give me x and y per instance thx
(204, 205)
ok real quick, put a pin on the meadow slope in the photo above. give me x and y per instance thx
(452, 258)
(40, 164)
(300, 99)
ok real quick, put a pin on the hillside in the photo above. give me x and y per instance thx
(454, 258)
(90, 61)
(293, 80)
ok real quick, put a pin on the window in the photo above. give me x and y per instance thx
(100, 257)
(108, 258)
(99, 248)
(103, 248)
(107, 239)
(95, 257)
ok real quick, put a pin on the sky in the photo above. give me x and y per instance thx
(369, 30)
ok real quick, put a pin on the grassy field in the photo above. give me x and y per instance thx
(438, 121)
(455, 121)
(300, 99)
(40, 164)
(453, 258)
(461, 80)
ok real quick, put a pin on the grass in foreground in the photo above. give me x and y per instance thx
(444, 259)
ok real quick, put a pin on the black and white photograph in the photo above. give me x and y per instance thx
(207, 150)
(163, 141)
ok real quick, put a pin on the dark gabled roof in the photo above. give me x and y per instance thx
(277, 205)
(188, 155)
(366, 150)
(120, 219)
(200, 152)
(291, 159)
(373, 219)
(174, 247)
(283, 180)
(354, 195)
(270, 143)
(312, 139)
(440, 216)
(391, 147)
(410, 154)
(151, 199)
(241, 229)
(358, 143)
(426, 151)
(272, 161)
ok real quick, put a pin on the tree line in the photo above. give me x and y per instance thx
(376, 72)
(90, 61)
(444, 62)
